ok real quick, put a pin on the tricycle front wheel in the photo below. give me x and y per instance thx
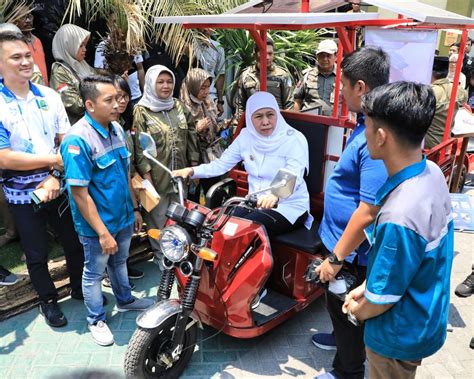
(149, 349)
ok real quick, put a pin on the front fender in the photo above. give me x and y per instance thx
(155, 315)
(161, 312)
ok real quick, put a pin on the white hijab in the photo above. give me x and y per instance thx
(150, 99)
(66, 43)
(283, 134)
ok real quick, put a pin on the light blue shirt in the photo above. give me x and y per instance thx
(262, 168)
(98, 159)
(410, 264)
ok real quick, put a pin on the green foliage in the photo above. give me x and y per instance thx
(294, 50)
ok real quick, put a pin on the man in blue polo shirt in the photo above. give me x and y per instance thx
(405, 300)
(104, 209)
(33, 122)
(349, 207)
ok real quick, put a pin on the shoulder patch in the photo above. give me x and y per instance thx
(73, 149)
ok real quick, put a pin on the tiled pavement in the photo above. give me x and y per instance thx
(31, 349)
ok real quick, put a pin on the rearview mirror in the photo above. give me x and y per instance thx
(147, 143)
(283, 184)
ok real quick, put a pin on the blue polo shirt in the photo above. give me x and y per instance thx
(98, 159)
(356, 178)
(410, 264)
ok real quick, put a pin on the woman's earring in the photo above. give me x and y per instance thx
(92, 111)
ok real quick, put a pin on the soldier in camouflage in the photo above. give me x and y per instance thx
(279, 84)
(318, 83)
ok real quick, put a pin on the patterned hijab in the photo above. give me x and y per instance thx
(66, 43)
(150, 99)
(189, 92)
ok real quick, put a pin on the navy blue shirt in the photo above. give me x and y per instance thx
(98, 159)
(356, 178)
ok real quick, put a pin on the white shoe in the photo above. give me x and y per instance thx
(258, 298)
(101, 334)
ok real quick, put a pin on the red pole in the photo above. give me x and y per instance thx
(337, 89)
(454, 91)
(263, 61)
(261, 42)
(304, 6)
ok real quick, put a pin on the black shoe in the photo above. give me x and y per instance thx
(134, 273)
(466, 288)
(52, 313)
(78, 295)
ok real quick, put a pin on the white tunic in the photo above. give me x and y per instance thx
(262, 168)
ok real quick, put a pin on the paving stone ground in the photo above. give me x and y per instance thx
(31, 349)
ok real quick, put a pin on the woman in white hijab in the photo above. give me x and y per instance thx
(172, 127)
(69, 51)
(267, 144)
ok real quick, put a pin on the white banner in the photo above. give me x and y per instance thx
(411, 52)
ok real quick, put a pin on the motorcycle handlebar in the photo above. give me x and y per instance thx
(179, 181)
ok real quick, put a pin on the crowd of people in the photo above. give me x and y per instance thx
(69, 147)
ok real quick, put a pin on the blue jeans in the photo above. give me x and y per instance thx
(94, 268)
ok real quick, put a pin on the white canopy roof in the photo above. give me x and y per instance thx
(409, 8)
(270, 18)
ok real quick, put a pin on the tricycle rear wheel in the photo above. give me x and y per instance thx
(147, 345)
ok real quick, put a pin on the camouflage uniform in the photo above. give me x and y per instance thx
(442, 90)
(66, 84)
(37, 77)
(176, 141)
(279, 84)
(317, 89)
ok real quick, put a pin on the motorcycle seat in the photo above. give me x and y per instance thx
(302, 239)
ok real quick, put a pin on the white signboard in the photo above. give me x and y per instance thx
(411, 52)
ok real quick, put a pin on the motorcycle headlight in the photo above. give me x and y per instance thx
(175, 243)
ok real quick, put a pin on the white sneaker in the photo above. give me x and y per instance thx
(101, 334)
(136, 305)
(258, 298)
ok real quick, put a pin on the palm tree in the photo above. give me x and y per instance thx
(135, 19)
(11, 10)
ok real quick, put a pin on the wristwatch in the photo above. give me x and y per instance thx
(352, 318)
(332, 258)
(221, 102)
(138, 208)
(55, 173)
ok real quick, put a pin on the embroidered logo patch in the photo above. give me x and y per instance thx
(73, 149)
(43, 105)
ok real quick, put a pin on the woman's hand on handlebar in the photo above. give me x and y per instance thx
(267, 201)
(184, 172)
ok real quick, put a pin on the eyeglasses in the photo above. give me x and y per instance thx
(119, 98)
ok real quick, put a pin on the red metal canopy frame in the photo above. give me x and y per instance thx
(346, 32)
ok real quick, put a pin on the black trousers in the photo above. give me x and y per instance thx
(275, 223)
(349, 360)
(32, 229)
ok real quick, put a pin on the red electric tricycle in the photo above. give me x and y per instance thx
(220, 264)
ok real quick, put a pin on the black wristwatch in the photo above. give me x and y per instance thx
(55, 173)
(333, 260)
(138, 208)
(221, 102)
